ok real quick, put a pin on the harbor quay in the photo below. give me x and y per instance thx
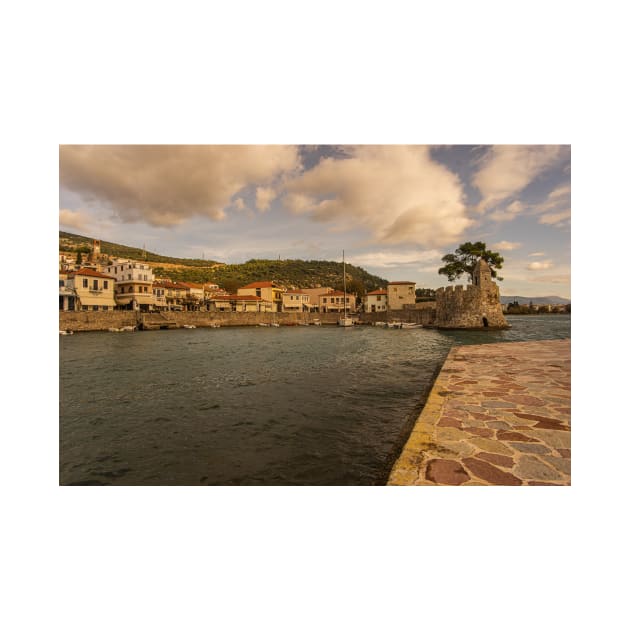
(498, 414)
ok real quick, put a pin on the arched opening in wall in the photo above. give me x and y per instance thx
(485, 322)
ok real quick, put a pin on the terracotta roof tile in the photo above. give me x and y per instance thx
(89, 272)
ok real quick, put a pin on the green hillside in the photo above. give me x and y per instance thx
(289, 273)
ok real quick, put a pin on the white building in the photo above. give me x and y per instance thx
(134, 283)
(399, 294)
(376, 301)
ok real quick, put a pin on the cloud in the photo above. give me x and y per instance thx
(264, 197)
(239, 204)
(538, 266)
(506, 170)
(396, 258)
(164, 185)
(506, 245)
(397, 193)
(537, 254)
(554, 218)
(508, 213)
(75, 219)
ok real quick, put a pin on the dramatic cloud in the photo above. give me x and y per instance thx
(506, 246)
(398, 193)
(75, 219)
(164, 185)
(506, 170)
(538, 266)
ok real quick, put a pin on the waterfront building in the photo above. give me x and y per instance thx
(241, 304)
(400, 294)
(91, 290)
(268, 291)
(376, 301)
(314, 295)
(134, 284)
(173, 296)
(333, 302)
(295, 301)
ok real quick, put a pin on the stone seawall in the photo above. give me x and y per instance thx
(78, 321)
(86, 320)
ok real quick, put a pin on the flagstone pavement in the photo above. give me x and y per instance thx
(498, 414)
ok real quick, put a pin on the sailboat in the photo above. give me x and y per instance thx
(345, 320)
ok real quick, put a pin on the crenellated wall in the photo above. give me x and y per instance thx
(468, 306)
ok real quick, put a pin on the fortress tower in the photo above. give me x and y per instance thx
(95, 254)
(475, 306)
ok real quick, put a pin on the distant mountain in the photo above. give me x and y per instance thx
(524, 301)
(289, 273)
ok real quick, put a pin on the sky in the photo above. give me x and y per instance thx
(394, 209)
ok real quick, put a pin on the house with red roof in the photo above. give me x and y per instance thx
(267, 290)
(91, 290)
(376, 301)
(240, 304)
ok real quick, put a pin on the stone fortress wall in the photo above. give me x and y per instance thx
(474, 306)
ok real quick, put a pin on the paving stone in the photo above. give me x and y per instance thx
(492, 446)
(529, 467)
(447, 421)
(498, 424)
(503, 417)
(562, 464)
(525, 447)
(499, 460)
(490, 473)
(446, 471)
(481, 432)
(513, 436)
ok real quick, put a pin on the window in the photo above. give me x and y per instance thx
(105, 308)
(146, 289)
(258, 292)
(95, 284)
(128, 276)
(84, 307)
(105, 284)
(85, 283)
(61, 283)
(378, 298)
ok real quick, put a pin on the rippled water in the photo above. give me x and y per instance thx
(290, 405)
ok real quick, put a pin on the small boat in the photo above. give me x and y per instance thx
(189, 326)
(263, 324)
(394, 324)
(317, 322)
(410, 325)
(215, 325)
(65, 332)
(127, 329)
(381, 324)
(275, 324)
(302, 323)
(114, 329)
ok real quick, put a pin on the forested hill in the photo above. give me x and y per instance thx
(289, 273)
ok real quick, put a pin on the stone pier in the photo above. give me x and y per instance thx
(498, 414)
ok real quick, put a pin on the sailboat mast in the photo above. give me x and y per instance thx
(343, 255)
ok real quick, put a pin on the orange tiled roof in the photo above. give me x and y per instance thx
(336, 293)
(401, 282)
(224, 298)
(260, 285)
(89, 272)
(378, 292)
